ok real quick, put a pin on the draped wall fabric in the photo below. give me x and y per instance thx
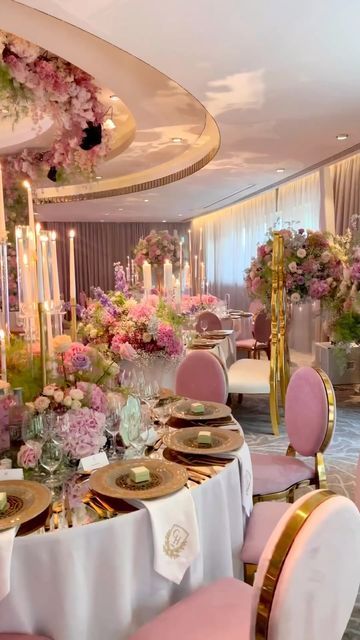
(230, 239)
(97, 247)
(346, 184)
(299, 202)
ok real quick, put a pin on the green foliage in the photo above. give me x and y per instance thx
(21, 372)
(168, 314)
(15, 97)
(347, 328)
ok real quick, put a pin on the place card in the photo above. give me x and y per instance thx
(90, 463)
(11, 474)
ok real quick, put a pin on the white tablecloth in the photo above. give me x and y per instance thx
(98, 582)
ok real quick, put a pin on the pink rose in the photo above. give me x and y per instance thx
(29, 454)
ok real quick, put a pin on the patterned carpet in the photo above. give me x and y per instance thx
(340, 457)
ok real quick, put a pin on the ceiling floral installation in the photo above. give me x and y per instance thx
(36, 83)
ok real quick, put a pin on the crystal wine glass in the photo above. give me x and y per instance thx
(51, 456)
(112, 426)
(138, 432)
(203, 324)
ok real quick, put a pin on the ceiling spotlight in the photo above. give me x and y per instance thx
(280, 170)
(342, 136)
(177, 140)
(109, 124)
(120, 209)
(98, 177)
(114, 98)
(180, 215)
(163, 220)
(146, 200)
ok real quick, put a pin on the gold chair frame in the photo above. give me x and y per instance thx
(320, 481)
(280, 553)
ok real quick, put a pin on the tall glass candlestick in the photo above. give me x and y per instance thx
(3, 235)
(72, 284)
(27, 186)
(5, 309)
(47, 304)
(3, 355)
(190, 261)
(55, 284)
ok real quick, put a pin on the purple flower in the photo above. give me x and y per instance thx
(80, 361)
(355, 271)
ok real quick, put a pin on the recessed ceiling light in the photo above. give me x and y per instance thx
(180, 215)
(98, 177)
(146, 200)
(177, 140)
(109, 124)
(114, 98)
(101, 220)
(280, 170)
(106, 214)
(120, 209)
(163, 220)
(342, 136)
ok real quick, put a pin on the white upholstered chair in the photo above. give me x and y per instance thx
(305, 587)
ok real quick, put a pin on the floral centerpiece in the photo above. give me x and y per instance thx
(345, 325)
(157, 247)
(194, 304)
(76, 394)
(313, 267)
(124, 328)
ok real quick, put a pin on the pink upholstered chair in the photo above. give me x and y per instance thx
(310, 415)
(201, 376)
(261, 337)
(212, 320)
(357, 485)
(296, 592)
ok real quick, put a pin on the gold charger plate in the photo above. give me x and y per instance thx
(185, 441)
(113, 481)
(26, 500)
(219, 333)
(182, 410)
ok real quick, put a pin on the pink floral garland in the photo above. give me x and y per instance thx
(38, 83)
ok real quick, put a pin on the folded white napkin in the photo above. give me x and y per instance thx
(175, 533)
(7, 538)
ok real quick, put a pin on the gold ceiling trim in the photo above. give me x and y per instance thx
(132, 188)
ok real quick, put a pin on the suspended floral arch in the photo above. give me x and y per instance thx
(36, 83)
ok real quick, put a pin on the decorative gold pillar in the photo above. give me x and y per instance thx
(279, 362)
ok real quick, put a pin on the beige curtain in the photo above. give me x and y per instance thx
(97, 247)
(230, 239)
(299, 202)
(346, 184)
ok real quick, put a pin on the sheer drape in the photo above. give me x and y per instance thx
(97, 247)
(346, 184)
(299, 202)
(230, 239)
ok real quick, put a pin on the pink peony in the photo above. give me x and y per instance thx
(93, 396)
(122, 349)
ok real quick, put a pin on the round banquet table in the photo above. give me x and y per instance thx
(98, 581)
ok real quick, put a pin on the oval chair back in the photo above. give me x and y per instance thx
(213, 322)
(262, 328)
(306, 584)
(255, 306)
(357, 485)
(201, 376)
(310, 411)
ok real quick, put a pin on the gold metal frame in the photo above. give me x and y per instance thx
(280, 553)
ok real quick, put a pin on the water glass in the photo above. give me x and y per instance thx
(203, 324)
(112, 426)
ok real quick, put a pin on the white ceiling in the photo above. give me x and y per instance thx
(280, 77)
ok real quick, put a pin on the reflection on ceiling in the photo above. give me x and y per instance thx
(280, 78)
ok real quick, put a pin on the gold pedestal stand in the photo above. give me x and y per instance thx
(279, 362)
